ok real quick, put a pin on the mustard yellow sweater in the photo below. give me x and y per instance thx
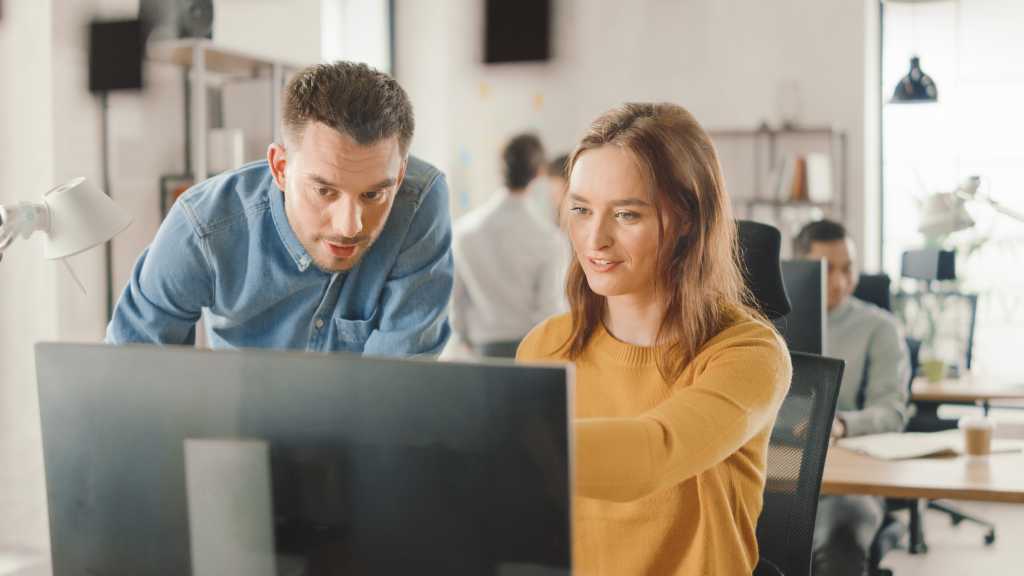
(669, 477)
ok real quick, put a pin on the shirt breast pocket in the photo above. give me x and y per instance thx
(352, 334)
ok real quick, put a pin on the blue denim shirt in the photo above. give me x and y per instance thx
(227, 251)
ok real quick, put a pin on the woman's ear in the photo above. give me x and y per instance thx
(679, 249)
(686, 222)
(683, 225)
(277, 158)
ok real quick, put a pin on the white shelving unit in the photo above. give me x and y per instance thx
(752, 159)
(765, 148)
(211, 65)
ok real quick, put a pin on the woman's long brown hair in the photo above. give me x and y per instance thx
(699, 270)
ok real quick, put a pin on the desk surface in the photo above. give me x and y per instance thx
(969, 388)
(993, 478)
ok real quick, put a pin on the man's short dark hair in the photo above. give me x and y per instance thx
(523, 157)
(558, 166)
(354, 99)
(819, 231)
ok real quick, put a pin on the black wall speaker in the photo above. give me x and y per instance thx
(177, 18)
(115, 55)
(517, 31)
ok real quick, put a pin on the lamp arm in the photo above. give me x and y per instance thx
(1019, 216)
(969, 191)
(21, 219)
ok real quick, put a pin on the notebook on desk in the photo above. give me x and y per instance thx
(904, 445)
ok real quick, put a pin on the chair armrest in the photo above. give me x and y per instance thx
(765, 567)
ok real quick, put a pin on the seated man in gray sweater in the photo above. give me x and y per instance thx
(872, 396)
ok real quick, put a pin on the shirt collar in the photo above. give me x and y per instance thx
(284, 230)
(504, 196)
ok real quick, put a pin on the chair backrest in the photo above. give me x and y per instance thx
(796, 461)
(760, 246)
(875, 288)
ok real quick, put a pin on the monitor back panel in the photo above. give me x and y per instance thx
(368, 465)
(804, 328)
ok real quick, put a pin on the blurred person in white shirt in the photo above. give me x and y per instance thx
(509, 261)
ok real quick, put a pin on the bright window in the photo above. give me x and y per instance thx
(971, 50)
(357, 30)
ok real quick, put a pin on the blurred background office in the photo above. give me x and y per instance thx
(797, 94)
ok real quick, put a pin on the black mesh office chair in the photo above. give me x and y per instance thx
(796, 461)
(799, 441)
(875, 289)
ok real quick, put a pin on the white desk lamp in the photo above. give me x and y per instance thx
(74, 216)
(946, 212)
(968, 191)
(943, 213)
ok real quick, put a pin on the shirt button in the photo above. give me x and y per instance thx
(319, 323)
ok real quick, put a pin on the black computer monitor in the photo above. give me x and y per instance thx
(168, 460)
(804, 326)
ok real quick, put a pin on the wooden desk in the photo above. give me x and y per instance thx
(993, 478)
(970, 388)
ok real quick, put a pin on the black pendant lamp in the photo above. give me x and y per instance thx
(916, 86)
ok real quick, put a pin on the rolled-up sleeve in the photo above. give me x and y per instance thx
(170, 284)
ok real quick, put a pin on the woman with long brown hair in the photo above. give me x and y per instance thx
(678, 376)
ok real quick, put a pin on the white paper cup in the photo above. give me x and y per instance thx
(977, 434)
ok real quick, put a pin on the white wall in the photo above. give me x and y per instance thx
(725, 60)
(285, 30)
(77, 124)
(356, 30)
(26, 281)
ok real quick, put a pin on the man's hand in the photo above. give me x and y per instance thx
(838, 428)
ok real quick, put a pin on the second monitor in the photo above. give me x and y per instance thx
(804, 327)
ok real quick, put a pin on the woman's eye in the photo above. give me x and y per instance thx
(374, 195)
(321, 191)
(627, 216)
(577, 210)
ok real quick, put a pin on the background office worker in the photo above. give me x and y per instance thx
(872, 396)
(339, 240)
(678, 379)
(509, 261)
